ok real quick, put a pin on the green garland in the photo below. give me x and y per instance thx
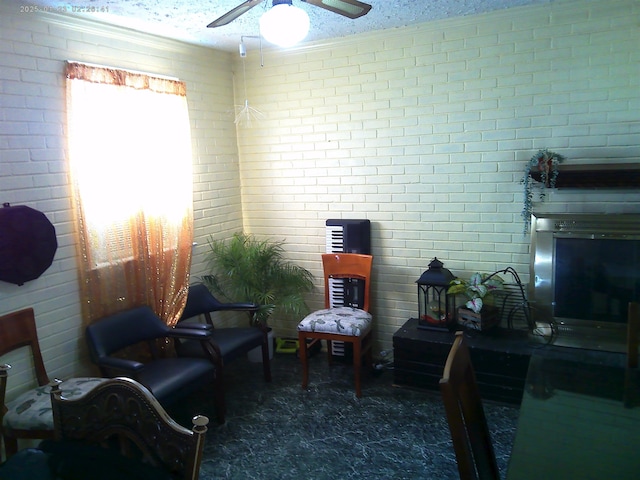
(546, 163)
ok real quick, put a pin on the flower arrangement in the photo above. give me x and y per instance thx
(544, 162)
(478, 289)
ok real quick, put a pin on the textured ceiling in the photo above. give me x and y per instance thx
(186, 20)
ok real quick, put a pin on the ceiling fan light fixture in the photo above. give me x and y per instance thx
(284, 25)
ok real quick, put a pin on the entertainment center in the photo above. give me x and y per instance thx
(585, 269)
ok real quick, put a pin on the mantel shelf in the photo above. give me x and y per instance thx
(605, 175)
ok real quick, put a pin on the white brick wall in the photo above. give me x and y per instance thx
(426, 130)
(33, 171)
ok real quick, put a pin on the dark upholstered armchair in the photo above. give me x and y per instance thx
(227, 343)
(168, 378)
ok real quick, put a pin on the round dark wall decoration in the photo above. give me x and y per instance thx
(27, 243)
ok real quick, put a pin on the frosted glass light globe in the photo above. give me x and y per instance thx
(284, 25)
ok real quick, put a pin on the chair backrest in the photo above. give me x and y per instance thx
(115, 332)
(18, 329)
(349, 266)
(200, 301)
(633, 329)
(467, 422)
(123, 414)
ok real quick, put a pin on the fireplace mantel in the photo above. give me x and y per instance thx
(603, 175)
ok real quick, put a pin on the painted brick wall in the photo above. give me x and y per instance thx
(426, 131)
(33, 171)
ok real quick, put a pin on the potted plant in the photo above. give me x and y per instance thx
(246, 269)
(545, 164)
(479, 312)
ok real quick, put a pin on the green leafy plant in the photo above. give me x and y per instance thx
(544, 162)
(478, 289)
(246, 269)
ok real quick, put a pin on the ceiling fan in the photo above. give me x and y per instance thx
(348, 8)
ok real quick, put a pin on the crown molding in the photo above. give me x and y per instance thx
(115, 32)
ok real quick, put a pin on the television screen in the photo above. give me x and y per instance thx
(595, 278)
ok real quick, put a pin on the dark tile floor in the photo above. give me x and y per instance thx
(279, 431)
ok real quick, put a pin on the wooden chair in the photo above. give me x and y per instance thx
(227, 343)
(345, 324)
(631, 397)
(29, 416)
(123, 415)
(467, 423)
(633, 328)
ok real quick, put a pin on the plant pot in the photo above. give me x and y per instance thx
(255, 355)
(487, 318)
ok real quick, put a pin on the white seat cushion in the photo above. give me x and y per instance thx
(32, 410)
(341, 320)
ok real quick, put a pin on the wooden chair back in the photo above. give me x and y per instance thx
(17, 330)
(467, 422)
(121, 413)
(350, 266)
(633, 329)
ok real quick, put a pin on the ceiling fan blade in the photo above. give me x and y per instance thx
(348, 8)
(231, 15)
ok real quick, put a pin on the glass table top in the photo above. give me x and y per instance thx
(579, 417)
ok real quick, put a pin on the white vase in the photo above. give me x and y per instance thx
(255, 355)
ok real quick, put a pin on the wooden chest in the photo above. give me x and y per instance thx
(500, 358)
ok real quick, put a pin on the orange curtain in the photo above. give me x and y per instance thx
(129, 151)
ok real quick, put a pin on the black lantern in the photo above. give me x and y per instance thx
(436, 308)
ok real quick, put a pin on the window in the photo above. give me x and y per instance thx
(129, 151)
